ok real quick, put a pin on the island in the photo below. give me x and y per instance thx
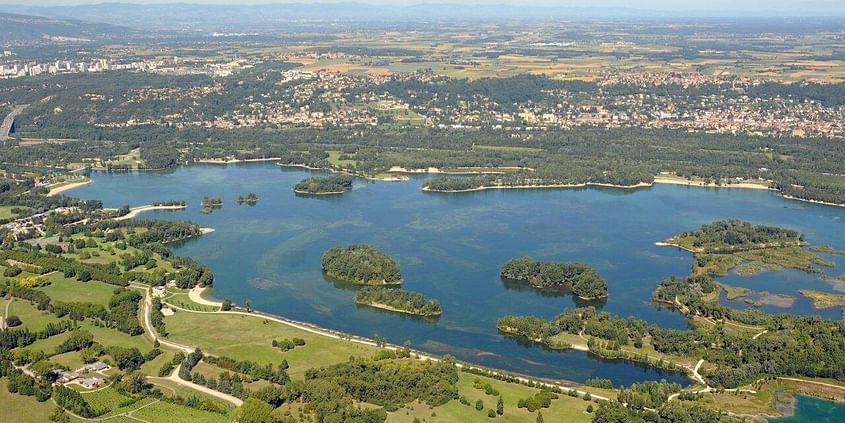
(398, 300)
(324, 185)
(250, 199)
(579, 278)
(361, 264)
(210, 204)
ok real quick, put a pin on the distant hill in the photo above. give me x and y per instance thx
(15, 27)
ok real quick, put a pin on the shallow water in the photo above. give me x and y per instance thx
(450, 247)
(814, 410)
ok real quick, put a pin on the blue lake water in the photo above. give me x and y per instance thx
(814, 410)
(450, 247)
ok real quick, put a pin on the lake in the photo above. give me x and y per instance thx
(451, 246)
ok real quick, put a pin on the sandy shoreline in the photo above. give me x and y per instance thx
(318, 193)
(67, 187)
(140, 209)
(394, 309)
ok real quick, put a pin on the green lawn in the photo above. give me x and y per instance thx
(63, 289)
(565, 409)
(247, 338)
(183, 300)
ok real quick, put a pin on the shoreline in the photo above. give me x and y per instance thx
(67, 187)
(657, 180)
(402, 178)
(396, 310)
(140, 209)
(230, 161)
(345, 172)
(548, 186)
(319, 193)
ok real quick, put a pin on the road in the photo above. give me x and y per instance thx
(9, 120)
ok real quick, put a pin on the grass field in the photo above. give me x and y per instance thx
(6, 212)
(63, 289)
(565, 409)
(334, 158)
(247, 338)
(12, 406)
(32, 318)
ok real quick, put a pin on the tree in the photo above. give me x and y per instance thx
(479, 405)
(227, 305)
(13, 321)
(500, 407)
(254, 411)
(539, 417)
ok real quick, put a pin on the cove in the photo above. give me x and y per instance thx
(450, 247)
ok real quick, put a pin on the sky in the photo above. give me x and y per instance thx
(821, 7)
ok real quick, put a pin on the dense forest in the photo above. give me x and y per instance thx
(399, 300)
(581, 279)
(362, 264)
(334, 184)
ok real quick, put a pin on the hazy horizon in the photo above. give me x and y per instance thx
(693, 7)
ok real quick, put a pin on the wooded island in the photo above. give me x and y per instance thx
(398, 300)
(581, 279)
(362, 264)
(334, 184)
